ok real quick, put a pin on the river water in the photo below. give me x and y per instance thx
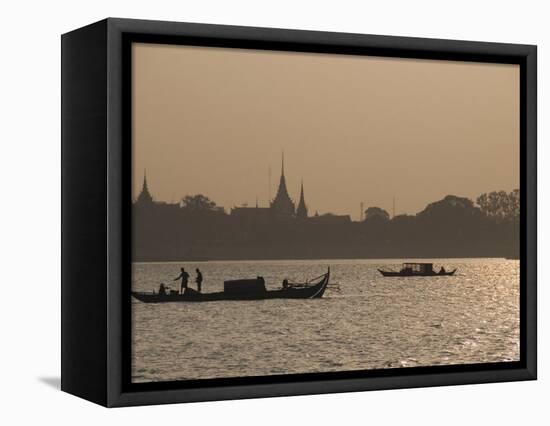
(370, 322)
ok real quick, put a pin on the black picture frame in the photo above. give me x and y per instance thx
(96, 211)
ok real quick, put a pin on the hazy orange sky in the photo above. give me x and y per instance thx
(355, 128)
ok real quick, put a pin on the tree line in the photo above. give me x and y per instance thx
(451, 227)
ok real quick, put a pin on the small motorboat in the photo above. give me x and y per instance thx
(245, 289)
(417, 270)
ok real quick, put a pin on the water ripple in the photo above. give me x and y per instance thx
(373, 322)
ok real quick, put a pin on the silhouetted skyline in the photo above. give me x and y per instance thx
(355, 129)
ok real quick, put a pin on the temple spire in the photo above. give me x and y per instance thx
(301, 211)
(145, 188)
(282, 191)
(282, 205)
(145, 195)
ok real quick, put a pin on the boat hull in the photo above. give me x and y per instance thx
(314, 291)
(412, 274)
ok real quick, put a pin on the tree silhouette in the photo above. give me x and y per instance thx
(449, 208)
(198, 203)
(376, 212)
(500, 205)
(514, 204)
(450, 225)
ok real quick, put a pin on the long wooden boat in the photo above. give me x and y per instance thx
(249, 289)
(417, 270)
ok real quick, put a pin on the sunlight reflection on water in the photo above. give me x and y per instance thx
(372, 322)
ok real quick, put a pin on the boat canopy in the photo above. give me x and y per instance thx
(418, 267)
(247, 286)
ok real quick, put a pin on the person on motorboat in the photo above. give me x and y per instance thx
(198, 280)
(184, 276)
(162, 289)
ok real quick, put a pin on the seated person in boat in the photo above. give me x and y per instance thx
(162, 289)
(442, 270)
(286, 285)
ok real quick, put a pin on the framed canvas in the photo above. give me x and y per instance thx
(255, 212)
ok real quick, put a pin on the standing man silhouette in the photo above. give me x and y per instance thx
(184, 280)
(198, 280)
